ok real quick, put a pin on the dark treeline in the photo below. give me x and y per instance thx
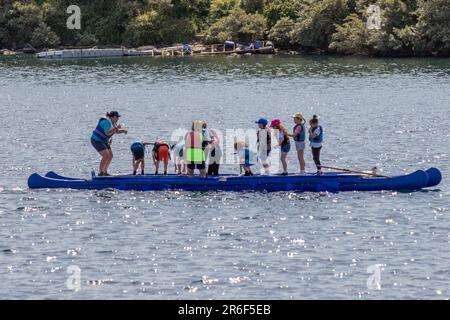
(406, 28)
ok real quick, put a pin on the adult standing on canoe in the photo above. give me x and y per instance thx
(213, 153)
(195, 155)
(102, 137)
(284, 143)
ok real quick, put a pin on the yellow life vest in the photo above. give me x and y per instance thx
(194, 151)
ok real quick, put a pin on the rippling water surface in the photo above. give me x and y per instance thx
(183, 245)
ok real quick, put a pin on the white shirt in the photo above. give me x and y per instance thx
(177, 148)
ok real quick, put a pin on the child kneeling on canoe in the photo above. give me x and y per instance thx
(161, 152)
(247, 158)
(138, 151)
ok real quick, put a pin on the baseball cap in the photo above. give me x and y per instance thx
(262, 121)
(114, 114)
(275, 122)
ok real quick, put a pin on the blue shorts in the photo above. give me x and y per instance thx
(286, 148)
(138, 153)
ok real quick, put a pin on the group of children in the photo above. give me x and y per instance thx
(247, 158)
(187, 155)
(160, 153)
(315, 133)
(202, 143)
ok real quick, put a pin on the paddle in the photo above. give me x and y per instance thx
(355, 171)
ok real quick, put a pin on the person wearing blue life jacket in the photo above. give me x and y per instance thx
(299, 135)
(138, 151)
(316, 141)
(101, 139)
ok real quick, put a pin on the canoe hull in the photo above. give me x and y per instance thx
(331, 182)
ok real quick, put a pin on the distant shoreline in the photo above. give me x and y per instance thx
(281, 52)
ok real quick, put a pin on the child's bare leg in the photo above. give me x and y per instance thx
(154, 159)
(166, 165)
(284, 161)
(135, 166)
(301, 159)
(265, 166)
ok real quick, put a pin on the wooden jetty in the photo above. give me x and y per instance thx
(175, 50)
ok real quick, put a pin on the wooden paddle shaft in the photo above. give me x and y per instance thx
(355, 171)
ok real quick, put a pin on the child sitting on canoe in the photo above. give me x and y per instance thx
(247, 158)
(161, 152)
(316, 140)
(138, 151)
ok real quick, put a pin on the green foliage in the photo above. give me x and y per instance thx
(408, 27)
(351, 36)
(397, 34)
(221, 8)
(274, 10)
(252, 6)
(154, 27)
(20, 21)
(281, 32)
(142, 29)
(238, 26)
(317, 22)
(434, 26)
(43, 36)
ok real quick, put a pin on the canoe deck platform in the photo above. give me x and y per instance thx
(328, 182)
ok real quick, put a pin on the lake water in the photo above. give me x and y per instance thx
(224, 245)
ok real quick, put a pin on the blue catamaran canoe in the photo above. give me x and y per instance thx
(331, 182)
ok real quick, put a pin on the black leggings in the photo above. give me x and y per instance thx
(316, 157)
(213, 169)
